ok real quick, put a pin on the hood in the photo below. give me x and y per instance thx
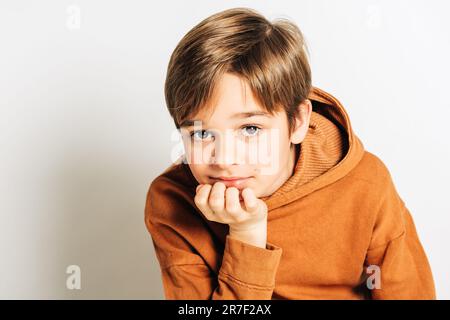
(329, 151)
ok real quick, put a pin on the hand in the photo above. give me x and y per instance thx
(247, 219)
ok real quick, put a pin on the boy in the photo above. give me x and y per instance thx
(275, 196)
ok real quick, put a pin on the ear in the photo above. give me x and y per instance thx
(302, 122)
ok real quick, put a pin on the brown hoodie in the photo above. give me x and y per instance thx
(337, 229)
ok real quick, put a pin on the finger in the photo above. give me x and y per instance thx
(217, 197)
(233, 205)
(199, 186)
(250, 200)
(201, 200)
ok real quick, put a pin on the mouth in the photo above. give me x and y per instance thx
(237, 182)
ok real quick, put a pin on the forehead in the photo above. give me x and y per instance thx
(234, 94)
(232, 100)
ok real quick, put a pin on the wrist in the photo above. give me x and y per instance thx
(255, 235)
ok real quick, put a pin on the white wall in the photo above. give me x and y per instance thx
(84, 129)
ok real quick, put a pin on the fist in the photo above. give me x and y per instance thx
(225, 205)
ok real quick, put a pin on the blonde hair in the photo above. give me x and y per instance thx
(270, 56)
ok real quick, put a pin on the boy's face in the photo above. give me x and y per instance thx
(238, 139)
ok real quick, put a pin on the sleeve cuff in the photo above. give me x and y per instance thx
(250, 264)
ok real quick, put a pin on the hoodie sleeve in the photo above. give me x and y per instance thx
(246, 272)
(396, 252)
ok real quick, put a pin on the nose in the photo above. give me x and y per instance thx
(224, 153)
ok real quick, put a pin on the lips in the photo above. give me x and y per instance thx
(237, 182)
(229, 178)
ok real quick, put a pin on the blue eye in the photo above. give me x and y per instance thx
(247, 131)
(198, 135)
(254, 130)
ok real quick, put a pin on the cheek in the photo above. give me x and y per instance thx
(200, 172)
(198, 153)
(267, 148)
(273, 150)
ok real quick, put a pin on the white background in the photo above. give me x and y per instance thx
(84, 127)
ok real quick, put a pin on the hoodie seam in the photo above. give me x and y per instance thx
(245, 284)
(387, 242)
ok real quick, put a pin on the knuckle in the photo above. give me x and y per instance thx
(199, 201)
(233, 210)
(214, 203)
(215, 198)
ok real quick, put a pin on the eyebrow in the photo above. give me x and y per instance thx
(240, 115)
